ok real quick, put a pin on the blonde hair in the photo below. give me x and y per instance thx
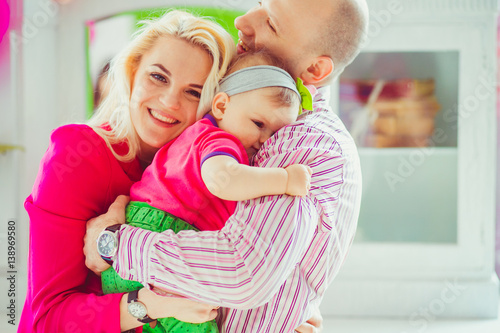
(115, 109)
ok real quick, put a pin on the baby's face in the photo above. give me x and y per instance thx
(253, 118)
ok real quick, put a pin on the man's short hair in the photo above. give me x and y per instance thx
(343, 34)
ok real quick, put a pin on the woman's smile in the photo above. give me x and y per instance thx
(165, 120)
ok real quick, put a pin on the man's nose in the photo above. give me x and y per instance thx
(248, 22)
(241, 24)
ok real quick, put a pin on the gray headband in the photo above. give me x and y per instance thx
(257, 77)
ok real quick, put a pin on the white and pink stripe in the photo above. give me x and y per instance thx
(276, 255)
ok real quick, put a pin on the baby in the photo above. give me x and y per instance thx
(195, 180)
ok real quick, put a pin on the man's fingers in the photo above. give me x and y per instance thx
(119, 205)
(116, 212)
(213, 314)
(306, 328)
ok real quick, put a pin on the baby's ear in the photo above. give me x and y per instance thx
(219, 105)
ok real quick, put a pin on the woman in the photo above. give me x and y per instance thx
(153, 98)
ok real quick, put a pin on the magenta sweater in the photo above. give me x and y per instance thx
(78, 179)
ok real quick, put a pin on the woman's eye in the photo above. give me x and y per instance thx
(195, 93)
(258, 123)
(158, 77)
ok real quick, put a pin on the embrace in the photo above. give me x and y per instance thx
(218, 191)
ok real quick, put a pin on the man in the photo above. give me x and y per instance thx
(272, 262)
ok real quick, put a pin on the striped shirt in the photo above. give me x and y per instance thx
(272, 262)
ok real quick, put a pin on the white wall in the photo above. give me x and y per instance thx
(8, 172)
(26, 122)
(10, 194)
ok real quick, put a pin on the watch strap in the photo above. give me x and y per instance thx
(133, 297)
(109, 261)
(114, 227)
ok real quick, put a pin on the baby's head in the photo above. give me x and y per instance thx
(255, 100)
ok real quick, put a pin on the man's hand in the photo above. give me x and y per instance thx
(313, 325)
(115, 214)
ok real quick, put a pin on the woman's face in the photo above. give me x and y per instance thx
(166, 92)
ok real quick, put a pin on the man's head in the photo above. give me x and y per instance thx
(316, 39)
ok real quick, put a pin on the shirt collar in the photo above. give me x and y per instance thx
(322, 95)
(211, 118)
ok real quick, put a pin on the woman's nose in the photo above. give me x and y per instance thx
(170, 98)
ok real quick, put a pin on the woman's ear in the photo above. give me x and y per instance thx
(219, 105)
(318, 70)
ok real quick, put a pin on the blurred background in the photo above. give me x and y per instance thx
(421, 101)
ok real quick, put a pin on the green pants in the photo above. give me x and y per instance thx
(142, 215)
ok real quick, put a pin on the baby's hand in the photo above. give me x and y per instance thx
(299, 180)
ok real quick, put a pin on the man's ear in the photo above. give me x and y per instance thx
(318, 70)
(219, 105)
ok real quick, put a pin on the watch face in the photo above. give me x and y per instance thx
(107, 244)
(137, 309)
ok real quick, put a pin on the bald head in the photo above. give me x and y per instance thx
(316, 39)
(342, 32)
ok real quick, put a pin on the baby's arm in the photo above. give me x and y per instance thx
(227, 179)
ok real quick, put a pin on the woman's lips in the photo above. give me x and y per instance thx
(161, 118)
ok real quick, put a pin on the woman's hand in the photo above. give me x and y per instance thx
(313, 325)
(176, 306)
(115, 214)
(165, 306)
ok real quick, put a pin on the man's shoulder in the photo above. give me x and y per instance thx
(316, 133)
(323, 121)
(322, 118)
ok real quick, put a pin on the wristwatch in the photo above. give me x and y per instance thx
(137, 309)
(107, 243)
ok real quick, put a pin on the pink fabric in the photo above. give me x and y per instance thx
(4, 18)
(78, 179)
(173, 181)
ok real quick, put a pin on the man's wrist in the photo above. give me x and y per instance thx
(108, 242)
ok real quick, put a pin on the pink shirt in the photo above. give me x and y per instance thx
(276, 255)
(78, 179)
(173, 181)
